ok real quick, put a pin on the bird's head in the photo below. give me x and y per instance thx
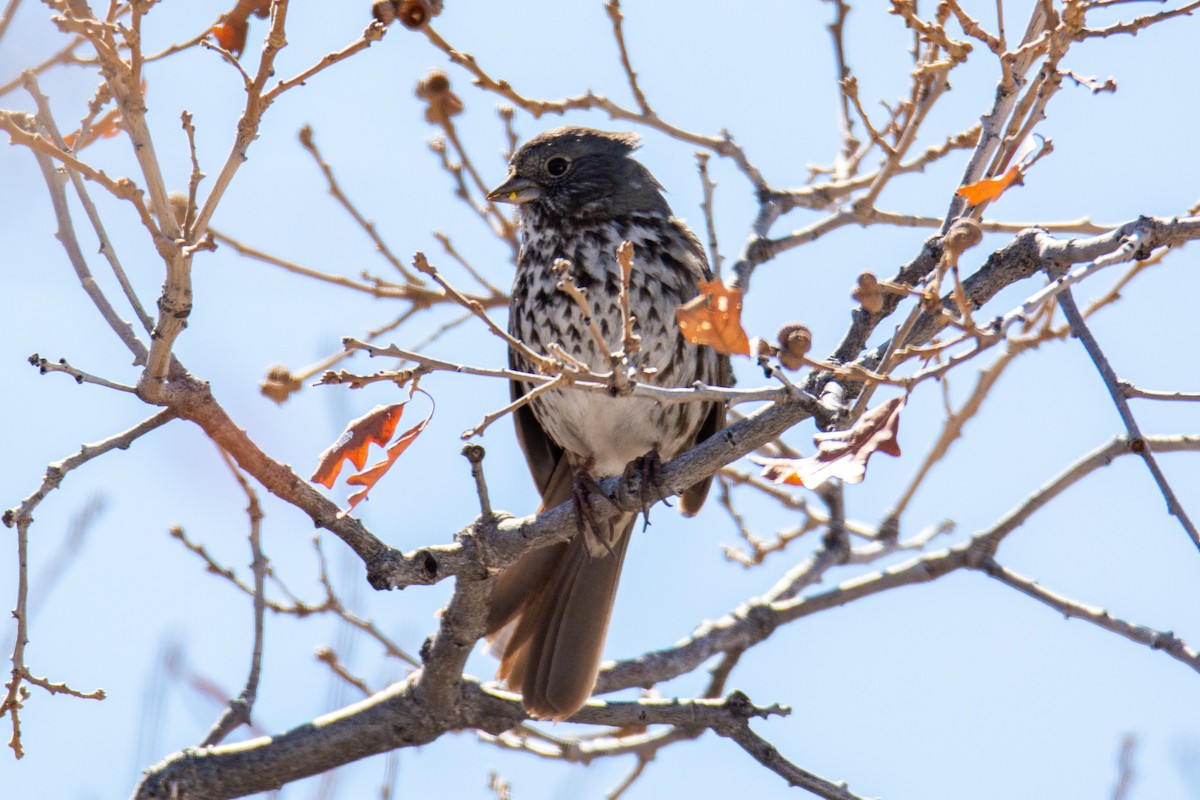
(580, 172)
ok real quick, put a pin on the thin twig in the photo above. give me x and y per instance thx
(613, 8)
(230, 59)
(706, 205)
(501, 225)
(1080, 330)
(1133, 26)
(448, 246)
(1124, 767)
(1166, 641)
(953, 427)
(7, 15)
(373, 33)
(329, 658)
(557, 382)
(474, 454)
(310, 144)
(332, 604)
(765, 753)
(723, 144)
(837, 31)
(15, 124)
(46, 118)
(477, 308)
(63, 56)
(45, 365)
(22, 517)
(419, 296)
(58, 470)
(178, 47)
(635, 773)
(196, 175)
(282, 382)
(1132, 392)
(239, 709)
(583, 381)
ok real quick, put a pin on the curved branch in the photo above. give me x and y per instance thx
(394, 718)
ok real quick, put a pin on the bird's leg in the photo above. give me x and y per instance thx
(647, 471)
(582, 488)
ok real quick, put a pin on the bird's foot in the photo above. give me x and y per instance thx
(582, 489)
(645, 473)
(597, 534)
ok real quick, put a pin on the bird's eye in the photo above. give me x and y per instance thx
(557, 166)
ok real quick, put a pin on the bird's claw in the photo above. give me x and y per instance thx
(581, 496)
(645, 472)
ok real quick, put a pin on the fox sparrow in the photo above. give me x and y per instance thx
(579, 194)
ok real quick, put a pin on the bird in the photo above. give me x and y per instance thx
(579, 194)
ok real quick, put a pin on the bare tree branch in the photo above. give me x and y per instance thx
(1080, 330)
(238, 712)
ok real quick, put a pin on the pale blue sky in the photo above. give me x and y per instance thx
(956, 689)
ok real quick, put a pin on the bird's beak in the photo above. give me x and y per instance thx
(515, 190)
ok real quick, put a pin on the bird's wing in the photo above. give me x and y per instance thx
(541, 453)
(720, 373)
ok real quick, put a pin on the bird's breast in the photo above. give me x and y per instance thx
(612, 430)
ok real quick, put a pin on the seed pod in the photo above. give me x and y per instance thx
(279, 383)
(179, 204)
(867, 293)
(965, 233)
(435, 90)
(384, 11)
(795, 340)
(415, 14)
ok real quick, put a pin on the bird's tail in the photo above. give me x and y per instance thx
(550, 612)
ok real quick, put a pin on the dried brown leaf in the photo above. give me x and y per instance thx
(841, 454)
(714, 317)
(231, 29)
(374, 427)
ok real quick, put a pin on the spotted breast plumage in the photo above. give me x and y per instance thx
(580, 194)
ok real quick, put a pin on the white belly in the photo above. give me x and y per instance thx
(611, 431)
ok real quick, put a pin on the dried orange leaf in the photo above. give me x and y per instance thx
(231, 29)
(714, 317)
(841, 454)
(231, 34)
(370, 476)
(987, 189)
(376, 426)
(1032, 150)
